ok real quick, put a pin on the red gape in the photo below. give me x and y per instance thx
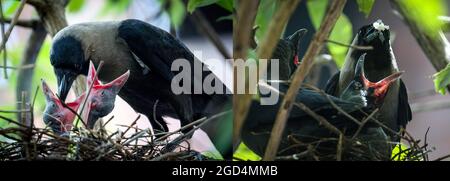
(101, 94)
(380, 87)
(60, 113)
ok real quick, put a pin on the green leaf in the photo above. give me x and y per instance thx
(116, 6)
(11, 7)
(442, 79)
(244, 153)
(365, 6)
(75, 5)
(194, 4)
(342, 32)
(224, 18)
(266, 10)
(426, 13)
(316, 11)
(226, 4)
(177, 12)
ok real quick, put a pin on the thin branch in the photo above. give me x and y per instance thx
(357, 47)
(29, 66)
(321, 120)
(242, 27)
(430, 106)
(205, 27)
(32, 23)
(314, 49)
(8, 32)
(5, 56)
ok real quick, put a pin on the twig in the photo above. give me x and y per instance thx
(8, 32)
(32, 23)
(166, 155)
(339, 148)
(363, 123)
(5, 56)
(29, 66)
(322, 121)
(296, 156)
(430, 106)
(205, 27)
(242, 27)
(442, 158)
(351, 46)
(314, 48)
(88, 92)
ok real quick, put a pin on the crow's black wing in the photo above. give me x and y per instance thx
(404, 110)
(331, 86)
(156, 48)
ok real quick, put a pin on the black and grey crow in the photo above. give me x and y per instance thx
(380, 62)
(304, 128)
(145, 50)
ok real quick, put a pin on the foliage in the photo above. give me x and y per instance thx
(244, 153)
(342, 31)
(365, 6)
(266, 10)
(426, 13)
(194, 4)
(442, 79)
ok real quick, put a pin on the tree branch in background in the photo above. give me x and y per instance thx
(51, 13)
(30, 55)
(205, 28)
(433, 44)
(430, 106)
(5, 56)
(313, 50)
(53, 17)
(22, 23)
(8, 32)
(275, 29)
(242, 27)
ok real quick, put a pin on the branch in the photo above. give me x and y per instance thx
(433, 44)
(32, 23)
(5, 36)
(30, 55)
(241, 35)
(430, 106)
(314, 48)
(205, 27)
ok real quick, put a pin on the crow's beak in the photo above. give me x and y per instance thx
(375, 89)
(65, 81)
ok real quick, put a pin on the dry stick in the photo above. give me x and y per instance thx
(322, 121)
(22, 23)
(3, 37)
(357, 47)
(363, 123)
(8, 32)
(296, 156)
(339, 148)
(314, 48)
(430, 106)
(205, 27)
(433, 44)
(242, 27)
(132, 124)
(88, 93)
(166, 155)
